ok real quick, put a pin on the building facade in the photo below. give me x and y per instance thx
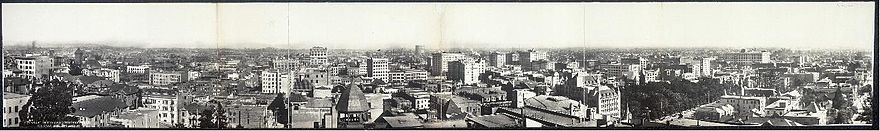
(12, 105)
(162, 78)
(440, 62)
(35, 67)
(318, 56)
(466, 71)
(377, 68)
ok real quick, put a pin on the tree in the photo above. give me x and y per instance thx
(841, 109)
(214, 117)
(50, 103)
(221, 116)
(207, 119)
(75, 68)
(868, 114)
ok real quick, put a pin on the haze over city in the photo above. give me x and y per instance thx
(370, 26)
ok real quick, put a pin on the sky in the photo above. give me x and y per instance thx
(447, 25)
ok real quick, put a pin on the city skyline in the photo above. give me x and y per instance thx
(371, 26)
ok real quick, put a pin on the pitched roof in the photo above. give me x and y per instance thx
(96, 106)
(8, 95)
(102, 83)
(295, 97)
(352, 100)
(494, 121)
(408, 120)
(277, 103)
(89, 79)
(552, 103)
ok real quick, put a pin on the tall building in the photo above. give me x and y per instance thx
(466, 71)
(497, 59)
(35, 67)
(352, 108)
(526, 57)
(377, 68)
(78, 56)
(635, 61)
(440, 62)
(275, 81)
(706, 67)
(420, 49)
(512, 58)
(318, 56)
(747, 57)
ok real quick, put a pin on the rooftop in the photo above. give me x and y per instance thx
(495, 121)
(96, 106)
(352, 99)
(9, 95)
(408, 120)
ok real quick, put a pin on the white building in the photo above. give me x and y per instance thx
(377, 68)
(34, 66)
(12, 104)
(288, 64)
(274, 81)
(608, 102)
(466, 71)
(139, 118)
(531, 55)
(745, 106)
(318, 56)
(137, 69)
(440, 62)
(621, 70)
(706, 67)
(193, 75)
(652, 75)
(747, 57)
(168, 106)
(109, 74)
(401, 77)
(521, 96)
(162, 78)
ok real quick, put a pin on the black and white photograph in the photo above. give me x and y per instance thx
(439, 65)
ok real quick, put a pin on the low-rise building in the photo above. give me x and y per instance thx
(745, 106)
(139, 118)
(96, 111)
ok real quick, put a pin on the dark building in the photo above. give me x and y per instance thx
(352, 107)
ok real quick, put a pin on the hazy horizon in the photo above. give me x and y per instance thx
(845, 25)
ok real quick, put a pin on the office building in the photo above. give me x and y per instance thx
(440, 62)
(35, 67)
(747, 57)
(377, 68)
(466, 71)
(318, 56)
